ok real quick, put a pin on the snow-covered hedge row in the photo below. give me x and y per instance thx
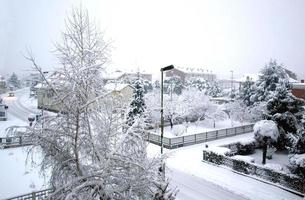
(297, 164)
(288, 180)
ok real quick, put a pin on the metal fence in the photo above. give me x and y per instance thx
(38, 195)
(15, 141)
(176, 142)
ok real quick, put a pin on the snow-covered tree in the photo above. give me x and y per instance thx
(156, 84)
(272, 76)
(198, 83)
(287, 110)
(265, 132)
(137, 105)
(246, 91)
(83, 146)
(13, 81)
(173, 85)
(238, 111)
(214, 90)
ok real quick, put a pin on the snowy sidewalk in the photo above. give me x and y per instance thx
(189, 160)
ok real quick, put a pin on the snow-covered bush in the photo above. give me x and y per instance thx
(245, 148)
(297, 164)
(241, 165)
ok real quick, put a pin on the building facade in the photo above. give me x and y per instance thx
(189, 73)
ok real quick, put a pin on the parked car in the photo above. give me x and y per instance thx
(11, 94)
(3, 108)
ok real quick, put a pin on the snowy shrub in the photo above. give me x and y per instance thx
(245, 148)
(297, 164)
(241, 166)
(214, 158)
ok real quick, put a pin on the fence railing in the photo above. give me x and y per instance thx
(14, 141)
(37, 195)
(176, 142)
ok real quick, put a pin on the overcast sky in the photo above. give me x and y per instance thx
(218, 35)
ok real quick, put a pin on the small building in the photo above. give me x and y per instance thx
(125, 77)
(298, 89)
(120, 93)
(188, 73)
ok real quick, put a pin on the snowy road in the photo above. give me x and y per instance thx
(194, 188)
(16, 107)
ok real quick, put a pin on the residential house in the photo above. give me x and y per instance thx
(120, 93)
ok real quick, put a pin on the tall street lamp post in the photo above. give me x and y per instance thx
(170, 67)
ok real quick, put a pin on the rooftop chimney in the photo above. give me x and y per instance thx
(302, 81)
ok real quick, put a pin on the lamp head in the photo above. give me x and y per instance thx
(167, 68)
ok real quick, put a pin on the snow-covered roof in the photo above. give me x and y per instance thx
(194, 70)
(112, 75)
(291, 80)
(115, 86)
(298, 85)
(253, 77)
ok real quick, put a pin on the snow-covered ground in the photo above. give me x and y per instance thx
(196, 180)
(17, 177)
(196, 127)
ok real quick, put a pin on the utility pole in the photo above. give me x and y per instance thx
(231, 84)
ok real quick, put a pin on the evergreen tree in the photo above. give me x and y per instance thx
(287, 110)
(14, 81)
(281, 106)
(247, 89)
(272, 76)
(137, 105)
(198, 83)
(173, 84)
(214, 90)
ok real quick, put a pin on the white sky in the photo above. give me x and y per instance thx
(218, 35)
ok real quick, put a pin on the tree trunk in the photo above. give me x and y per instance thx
(171, 123)
(264, 151)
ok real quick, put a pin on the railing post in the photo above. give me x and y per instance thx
(183, 140)
(216, 134)
(170, 143)
(20, 140)
(33, 196)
